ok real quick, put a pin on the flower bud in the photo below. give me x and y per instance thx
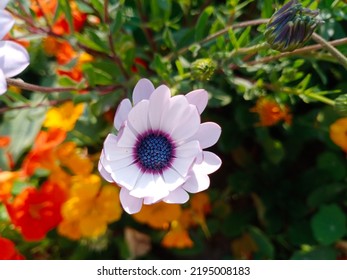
(203, 69)
(291, 27)
(341, 104)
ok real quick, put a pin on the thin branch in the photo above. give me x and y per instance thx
(330, 48)
(297, 51)
(31, 87)
(27, 86)
(217, 34)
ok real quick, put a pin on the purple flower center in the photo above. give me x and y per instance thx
(154, 152)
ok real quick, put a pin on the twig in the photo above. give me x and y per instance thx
(335, 52)
(297, 51)
(27, 86)
(217, 34)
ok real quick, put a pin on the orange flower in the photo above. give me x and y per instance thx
(270, 112)
(62, 50)
(177, 237)
(75, 73)
(35, 212)
(74, 159)
(4, 141)
(44, 7)
(8, 250)
(158, 215)
(61, 26)
(338, 133)
(41, 156)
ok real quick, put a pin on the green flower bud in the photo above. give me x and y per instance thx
(291, 27)
(341, 104)
(203, 69)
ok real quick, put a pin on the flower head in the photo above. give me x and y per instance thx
(270, 112)
(158, 154)
(338, 133)
(291, 26)
(90, 208)
(8, 250)
(35, 212)
(13, 57)
(65, 116)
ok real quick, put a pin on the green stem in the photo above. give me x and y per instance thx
(320, 98)
(250, 50)
(335, 52)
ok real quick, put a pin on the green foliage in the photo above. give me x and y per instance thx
(283, 185)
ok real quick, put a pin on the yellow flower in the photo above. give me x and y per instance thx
(64, 116)
(338, 133)
(90, 208)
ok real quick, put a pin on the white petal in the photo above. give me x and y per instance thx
(172, 179)
(127, 176)
(197, 182)
(145, 186)
(6, 22)
(182, 165)
(126, 138)
(113, 151)
(188, 125)
(210, 163)
(181, 120)
(122, 113)
(14, 58)
(103, 172)
(177, 196)
(3, 4)
(142, 90)
(160, 192)
(130, 204)
(208, 134)
(158, 103)
(3, 84)
(187, 150)
(115, 165)
(138, 117)
(199, 98)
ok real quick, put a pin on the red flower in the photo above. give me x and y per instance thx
(35, 212)
(8, 250)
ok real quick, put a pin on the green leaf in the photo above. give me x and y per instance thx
(333, 164)
(325, 194)
(22, 126)
(64, 5)
(265, 248)
(202, 23)
(329, 224)
(317, 253)
(117, 23)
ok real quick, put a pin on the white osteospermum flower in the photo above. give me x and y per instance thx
(158, 154)
(13, 57)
